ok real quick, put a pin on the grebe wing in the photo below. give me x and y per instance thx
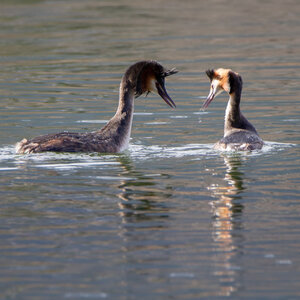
(67, 142)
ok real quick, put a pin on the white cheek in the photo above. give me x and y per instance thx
(215, 84)
(152, 86)
(219, 91)
(227, 87)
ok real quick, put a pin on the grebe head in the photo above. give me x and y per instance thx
(149, 76)
(222, 80)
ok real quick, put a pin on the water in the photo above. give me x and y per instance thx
(170, 218)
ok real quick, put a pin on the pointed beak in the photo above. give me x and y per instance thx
(214, 92)
(209, 98)
(163, 93)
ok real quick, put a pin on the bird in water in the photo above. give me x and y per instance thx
(142, 77)
(239, 133)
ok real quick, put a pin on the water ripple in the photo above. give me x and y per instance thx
(137, 151)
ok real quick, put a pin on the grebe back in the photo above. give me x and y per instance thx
(142, 77)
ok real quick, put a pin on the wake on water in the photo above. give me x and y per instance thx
(9, 160)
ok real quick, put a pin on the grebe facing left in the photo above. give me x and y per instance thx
(142, 77)
(239, 133)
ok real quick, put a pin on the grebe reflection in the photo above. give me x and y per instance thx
(227, 221)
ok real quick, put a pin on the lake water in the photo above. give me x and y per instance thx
(170, 218)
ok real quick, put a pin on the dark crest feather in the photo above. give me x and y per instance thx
(142, 65)
(232, 81)
(170, 72)
(210, 74)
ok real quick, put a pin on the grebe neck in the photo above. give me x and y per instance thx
(234, 119)
(126, 99)
(119, 126)
(233, 115)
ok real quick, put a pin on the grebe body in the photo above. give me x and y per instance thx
(142, 77)
(239, 133)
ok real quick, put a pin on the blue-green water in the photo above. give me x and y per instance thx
(170, 218)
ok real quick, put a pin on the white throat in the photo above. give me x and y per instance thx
(227, 112)
(126, 137)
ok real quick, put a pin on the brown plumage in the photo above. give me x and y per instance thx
(142, 77)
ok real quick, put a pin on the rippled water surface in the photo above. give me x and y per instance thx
(170, 218)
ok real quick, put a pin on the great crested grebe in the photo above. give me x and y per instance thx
(142, 77)
(239, 133)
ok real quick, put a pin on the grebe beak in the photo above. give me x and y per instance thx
(209, 98)
(163, 93)
(215, 90)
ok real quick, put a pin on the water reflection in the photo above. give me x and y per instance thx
(227, 224)
(140, 198)
(143, 229)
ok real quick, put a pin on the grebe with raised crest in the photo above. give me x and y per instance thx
(239, 133)
(142, 77)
